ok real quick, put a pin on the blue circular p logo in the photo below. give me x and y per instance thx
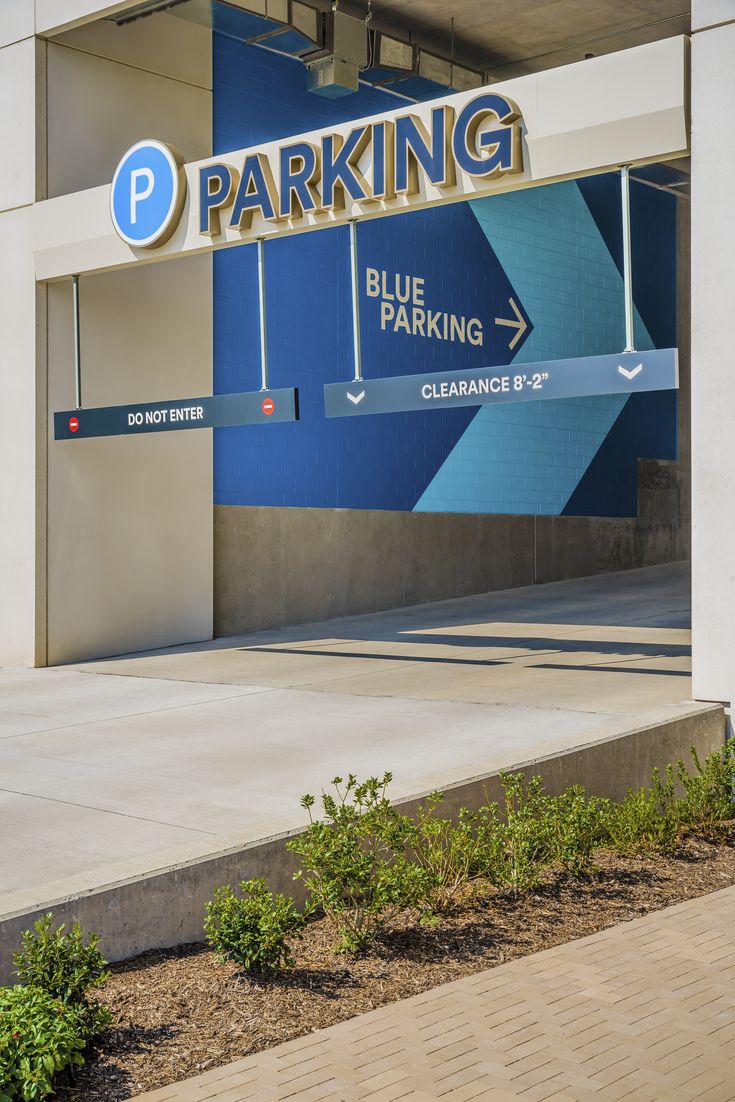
(147, 195)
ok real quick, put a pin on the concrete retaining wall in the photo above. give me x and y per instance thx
(166, 908)
(276, 567)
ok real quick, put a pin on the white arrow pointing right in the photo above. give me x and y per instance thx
(632, 373)
(356, 398)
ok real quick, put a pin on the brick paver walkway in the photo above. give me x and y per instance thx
(643, 1011)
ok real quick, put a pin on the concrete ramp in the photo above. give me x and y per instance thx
(132, 787)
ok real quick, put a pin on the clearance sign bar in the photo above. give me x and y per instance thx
(624, 108)
(627, 373)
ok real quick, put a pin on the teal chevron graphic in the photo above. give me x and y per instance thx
(529, 458)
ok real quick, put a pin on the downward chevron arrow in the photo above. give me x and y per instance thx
(519, 323)
(356, 398)
(632, 373)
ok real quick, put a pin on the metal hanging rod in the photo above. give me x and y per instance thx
(261, 314)
(355, 303)
(77, 342)
(627, 265)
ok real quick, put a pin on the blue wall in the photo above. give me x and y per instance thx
(554, 250)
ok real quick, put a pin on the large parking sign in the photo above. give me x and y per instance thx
(147, 195)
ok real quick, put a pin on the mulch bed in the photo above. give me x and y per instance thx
(178, 1012)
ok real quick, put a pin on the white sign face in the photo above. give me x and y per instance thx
(626, 108)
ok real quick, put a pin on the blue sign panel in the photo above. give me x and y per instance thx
(220, 411)
(439, 256)
(627, 373)
(147, 194)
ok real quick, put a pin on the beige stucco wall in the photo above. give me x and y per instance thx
(713, 341)
(110, 86)
(22, 374)
(129, 519)
(52, 16)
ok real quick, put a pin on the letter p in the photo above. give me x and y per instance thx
(137, 195)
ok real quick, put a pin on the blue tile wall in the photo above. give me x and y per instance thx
(259, 97)
(550, 249)
(532, 457)
(647, 425)
(381, 462)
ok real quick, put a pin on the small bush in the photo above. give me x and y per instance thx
(576, 825)
(708, 801)
(65, 966)
(355, 863)
(363, 862)
(452, 855)
(491, 835)
(647, 820)
(251, 929)
(59, 963)
(39, 1036)
(524, 847)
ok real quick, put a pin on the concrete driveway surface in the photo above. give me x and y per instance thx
(112, 768)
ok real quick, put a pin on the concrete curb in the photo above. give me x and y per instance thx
(165, 907)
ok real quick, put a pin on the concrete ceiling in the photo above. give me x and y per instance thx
(507, 38)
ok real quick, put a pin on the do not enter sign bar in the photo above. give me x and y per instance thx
(215, 412)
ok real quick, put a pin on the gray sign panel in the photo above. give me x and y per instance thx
(219, 411)
(627, 373)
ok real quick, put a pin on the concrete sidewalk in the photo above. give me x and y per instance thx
(643, 1012)
(115, 768)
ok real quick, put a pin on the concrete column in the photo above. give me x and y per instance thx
(129, 518)
(713, 349)
(104, 546)
(22, 325)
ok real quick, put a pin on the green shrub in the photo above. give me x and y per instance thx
(65, 966)
(524, 837)
(489, 857)
(363, 862)
(59, 963)
(512, 848)
(39, 1036)
(451, 854)
(577, 827)
(251, 929)
(354, 862)
(708, 800)
(647, 820)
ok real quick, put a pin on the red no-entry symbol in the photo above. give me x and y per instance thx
(73, 424)
(268, 406)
